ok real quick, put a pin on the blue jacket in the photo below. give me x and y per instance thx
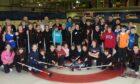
(32, 57)
(68, 24)
(57, 36)
(8, 38)
(132, 41)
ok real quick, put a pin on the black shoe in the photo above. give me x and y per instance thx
(72, 69)
(50, 74)
(35, 72)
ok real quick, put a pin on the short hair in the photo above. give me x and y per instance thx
(133, 28)
(123, 26)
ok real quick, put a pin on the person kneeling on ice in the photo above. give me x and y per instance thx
(135, 61)
(60, 55)
(33, 60)
(94, 54)
(20, 57)
(106, 58)
(7, 58)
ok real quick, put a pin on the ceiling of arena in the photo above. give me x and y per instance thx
(58, 5)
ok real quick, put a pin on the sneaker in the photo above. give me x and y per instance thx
(137, 73)
(11, 69)
(2, 66)
(49, 74)
(30, 69)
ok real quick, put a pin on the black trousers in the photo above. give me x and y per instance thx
(7, 68)
(137, 64)
(122, 53)
(19, 68)
(89, 63)
(61, 60)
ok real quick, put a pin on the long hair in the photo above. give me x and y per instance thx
(20, 54)
(11, 50)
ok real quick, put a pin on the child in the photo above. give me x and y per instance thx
(48, 37)
(57, 36)
(20, 57)
(136, 56)
(93, 53)
(69, 23)
(84, 55)
(39, 37)
(109, 39)
(116, 32)
(51, 56)
(31, 36)
(78, 51)
(123, 39)
(42, 58)
(9, 37)
(60, 54)
(106, 58)
(73, 53)
(33, 57)
(21, 38)
(133, 38)
(7, 58)
(77, 35)
(66, 49)
(97, 34)
(69, 36)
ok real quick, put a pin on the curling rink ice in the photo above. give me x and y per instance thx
(28, 78)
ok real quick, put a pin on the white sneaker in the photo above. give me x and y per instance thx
(137, 73)
(11, 69)
(2, 66)
(29, 69)
(132, 70)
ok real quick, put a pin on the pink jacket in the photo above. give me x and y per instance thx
(7, 57)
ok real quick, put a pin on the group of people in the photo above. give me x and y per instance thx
(35, 46)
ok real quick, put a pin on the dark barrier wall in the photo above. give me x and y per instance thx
(18, 15)
(125, 16)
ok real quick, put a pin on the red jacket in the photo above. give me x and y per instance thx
(109, 40)
(60, 53)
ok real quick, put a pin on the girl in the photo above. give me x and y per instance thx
(77, 37)
(7, 58)
(21, 38)
(57, 36)
(48, 37)
(39, 37)
(9, 37)
(20, 57)
(66, 49)
(31, 33)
